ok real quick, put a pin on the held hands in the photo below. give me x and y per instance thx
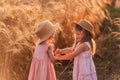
(58, 51)
(62, 54)
(58, 54)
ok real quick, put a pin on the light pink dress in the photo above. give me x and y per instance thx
(41, 66)
(84, 68)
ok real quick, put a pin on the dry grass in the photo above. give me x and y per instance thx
(20, 17)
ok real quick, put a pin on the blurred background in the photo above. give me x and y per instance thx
(18, 19)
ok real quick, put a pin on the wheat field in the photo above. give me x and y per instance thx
(18, 19)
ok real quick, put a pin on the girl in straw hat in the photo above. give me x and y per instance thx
(84, 68)
(42, 63)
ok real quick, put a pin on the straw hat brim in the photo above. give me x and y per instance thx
(91, 32)
(55, 27)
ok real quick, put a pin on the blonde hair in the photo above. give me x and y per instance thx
(93, 47)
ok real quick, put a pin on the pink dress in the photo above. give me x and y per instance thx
(41, 66)
(84, 68)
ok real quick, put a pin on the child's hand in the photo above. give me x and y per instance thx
(58, 51)
(57, 56)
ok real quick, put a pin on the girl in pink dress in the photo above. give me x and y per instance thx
(84, 68)
(42, 63)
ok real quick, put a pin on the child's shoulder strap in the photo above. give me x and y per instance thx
(88, 44)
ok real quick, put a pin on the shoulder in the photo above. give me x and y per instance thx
(51, 46)
(37, 45)
(88, 45)
(83, 46)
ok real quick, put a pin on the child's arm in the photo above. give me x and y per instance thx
(51, 54)
(82, 47)
(64, 51)
(67, 50)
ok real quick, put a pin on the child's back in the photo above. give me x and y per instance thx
(41, 52)
(41, 66)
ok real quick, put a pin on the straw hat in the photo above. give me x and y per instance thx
(87, 26)
(45, 29)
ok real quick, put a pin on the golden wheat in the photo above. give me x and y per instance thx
(18, 18)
